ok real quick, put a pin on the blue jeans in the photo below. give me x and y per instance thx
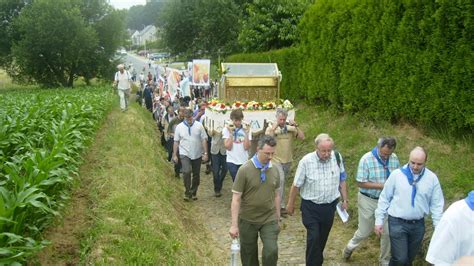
(219, 170)
(318, 219)
(233, 168)
(405, 239)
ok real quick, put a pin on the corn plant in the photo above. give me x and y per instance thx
(42, 137)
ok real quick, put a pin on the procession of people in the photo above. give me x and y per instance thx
(393, 199)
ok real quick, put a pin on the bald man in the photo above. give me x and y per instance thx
(409, 194)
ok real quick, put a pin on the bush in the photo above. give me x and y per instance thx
(390, 60)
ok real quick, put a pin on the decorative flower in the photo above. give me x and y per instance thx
(217, 106)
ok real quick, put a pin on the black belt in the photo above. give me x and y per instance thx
(368, 195)
(408, 221)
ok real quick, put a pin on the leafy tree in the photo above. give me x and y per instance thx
(139, 15)
(9, 10)
(201, 26)
(58, 41)
(271, 24)
(55, 43)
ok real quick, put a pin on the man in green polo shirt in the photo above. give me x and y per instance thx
(255, 206)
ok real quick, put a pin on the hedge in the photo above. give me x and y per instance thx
(392, 60)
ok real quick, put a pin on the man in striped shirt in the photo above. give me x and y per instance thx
(321, 180)
(374, 168)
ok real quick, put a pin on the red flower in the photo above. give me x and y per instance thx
(222, 106)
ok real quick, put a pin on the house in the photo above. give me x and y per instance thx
(148, 34)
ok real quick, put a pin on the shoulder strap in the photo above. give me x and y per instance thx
(338, 158)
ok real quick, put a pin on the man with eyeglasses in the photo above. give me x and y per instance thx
(321, 180)
(374, 168)
(255, 206)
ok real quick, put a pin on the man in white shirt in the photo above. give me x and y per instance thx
(122, 81)
(321, 181)
(453, 238)
(191, 139)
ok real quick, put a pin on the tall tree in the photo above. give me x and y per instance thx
(55, 43)
(58, 41)
(9, 10)
(194, 27)
(271, 24)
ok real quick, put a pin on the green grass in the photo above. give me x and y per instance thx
(139, 216)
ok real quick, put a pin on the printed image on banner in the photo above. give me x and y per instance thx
(201, 69)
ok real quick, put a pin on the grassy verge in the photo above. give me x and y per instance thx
(138, 216)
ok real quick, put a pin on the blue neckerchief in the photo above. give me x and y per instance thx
(470, 200)
(263, 168)
(407, 171)
(375, 152)
(236, 131)
(284, 129)
(189, 126)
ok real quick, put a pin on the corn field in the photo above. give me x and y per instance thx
(43, 134)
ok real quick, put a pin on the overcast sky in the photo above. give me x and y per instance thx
(120, 4)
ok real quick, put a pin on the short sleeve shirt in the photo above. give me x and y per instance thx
(258, 198)
(319, 180)
(190, 142)
(370, 170)
(237, 155)
(123, 80)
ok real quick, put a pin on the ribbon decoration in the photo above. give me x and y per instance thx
(407, 171)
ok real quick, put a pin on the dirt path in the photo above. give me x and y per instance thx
(292, 239)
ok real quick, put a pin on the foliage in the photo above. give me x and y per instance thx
(386, 60)
(42, 135)
(139, 16)
(58, 41)
(200, 27)
(271, 24)
(9, 10)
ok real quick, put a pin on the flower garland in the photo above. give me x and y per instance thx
(217, 106)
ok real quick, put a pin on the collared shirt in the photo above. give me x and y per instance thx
(395, 198)
(319, 180)
(190, 145)
(370, 170)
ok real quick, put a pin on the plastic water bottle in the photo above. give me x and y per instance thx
(234, 252)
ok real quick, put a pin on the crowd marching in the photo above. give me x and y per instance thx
(393, 199)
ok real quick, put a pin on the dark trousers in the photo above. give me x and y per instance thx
(249, 233)
(191, 167)
(233, 168)
(219, 170)
(318, 219)
(405, 239)
(169, 148)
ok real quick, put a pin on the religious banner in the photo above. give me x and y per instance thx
(201, 70)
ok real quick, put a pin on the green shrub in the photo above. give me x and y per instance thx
(400, 60)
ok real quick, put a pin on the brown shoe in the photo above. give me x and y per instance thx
(283, 212)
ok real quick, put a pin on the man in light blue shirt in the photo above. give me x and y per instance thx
(409, 194)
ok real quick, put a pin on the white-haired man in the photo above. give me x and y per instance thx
(122, 81)
(321, 181)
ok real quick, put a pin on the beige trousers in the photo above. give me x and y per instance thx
(366, 210)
